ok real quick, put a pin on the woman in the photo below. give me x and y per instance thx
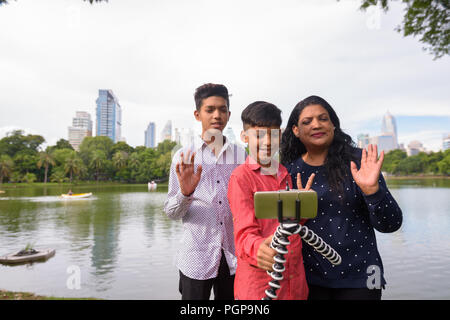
(353, 201)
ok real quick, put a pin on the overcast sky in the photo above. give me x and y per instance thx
(55, 55)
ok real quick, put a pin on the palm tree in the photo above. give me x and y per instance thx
(73, 165)
(98, 162)
(120, 159)
(45, 159)
(6, 165)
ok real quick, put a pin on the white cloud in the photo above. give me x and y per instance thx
(153, 54)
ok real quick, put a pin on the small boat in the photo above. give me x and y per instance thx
(152, 186)
(16, 257)
(1, 191)
(76, 195)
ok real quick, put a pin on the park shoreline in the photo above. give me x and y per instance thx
(12, 295)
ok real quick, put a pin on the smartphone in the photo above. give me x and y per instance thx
(266, 204)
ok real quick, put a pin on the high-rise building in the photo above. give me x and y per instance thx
(389, 127)
(446, 142)
(414, 147)
(109, 115)
(150, 139)
(363, 141)
(166, 133)
(81, 128)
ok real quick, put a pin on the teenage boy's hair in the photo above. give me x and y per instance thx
(261, 114)
(209, 90)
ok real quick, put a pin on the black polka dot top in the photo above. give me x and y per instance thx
(347, 223)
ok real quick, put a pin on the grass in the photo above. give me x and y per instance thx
(10, 295)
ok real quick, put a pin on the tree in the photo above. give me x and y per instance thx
(6, 166)
(98, 162)
(45, 159)
(392, 159)
(16, 142)
(58, 176)
(444, 164)
(73, 165)
(428, 19)
(91, 1)
(91, 144)
(29, 177)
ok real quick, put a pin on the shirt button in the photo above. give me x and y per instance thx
(218, 181)
(221, 222)
(220, 202)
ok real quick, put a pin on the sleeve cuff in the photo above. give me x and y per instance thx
(182, 199)
(375, 197)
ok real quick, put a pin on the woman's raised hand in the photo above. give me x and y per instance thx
(367, 175)
(185, 172)
(308, 183)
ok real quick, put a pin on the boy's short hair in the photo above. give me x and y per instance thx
(261, 114)
(209, 90)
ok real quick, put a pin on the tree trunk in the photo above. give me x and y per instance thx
(46, 171)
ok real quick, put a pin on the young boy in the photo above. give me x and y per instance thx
(197, 194)
(261, 121)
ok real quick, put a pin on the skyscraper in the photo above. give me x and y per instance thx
(81, 128)
(389, 128)
(150, 141)
(166, 133)
(109, 115)
(446, 142)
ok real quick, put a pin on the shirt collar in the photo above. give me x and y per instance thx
(253, 165)
(199, 143)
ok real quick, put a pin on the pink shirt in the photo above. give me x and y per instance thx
(250, 281)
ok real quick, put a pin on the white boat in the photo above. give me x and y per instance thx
(76, 195)
(16, 257)
(152, 186)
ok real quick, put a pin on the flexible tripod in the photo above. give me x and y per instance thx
(280, 241)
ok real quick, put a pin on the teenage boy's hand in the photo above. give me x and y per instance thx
(185, 172)
(265, 254)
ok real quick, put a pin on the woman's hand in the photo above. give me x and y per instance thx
(185, 172)
(368, 174)
(308, 183)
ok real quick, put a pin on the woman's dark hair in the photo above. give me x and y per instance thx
(261, 114)
(209, 90)
(340, 152)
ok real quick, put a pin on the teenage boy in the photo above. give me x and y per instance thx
(197, 194)
(261, 172)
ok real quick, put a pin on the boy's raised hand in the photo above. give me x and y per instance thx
(185, 172)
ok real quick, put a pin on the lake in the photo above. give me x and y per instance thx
(123, 245)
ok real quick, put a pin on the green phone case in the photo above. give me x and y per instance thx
(266, 204)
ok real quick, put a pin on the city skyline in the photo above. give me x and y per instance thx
(277, 53)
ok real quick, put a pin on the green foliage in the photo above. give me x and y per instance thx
(396, 162)
(99, 158)
(29, 178)
(427, 19)
(6, 167)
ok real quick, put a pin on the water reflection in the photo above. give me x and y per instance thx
(125, 245)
